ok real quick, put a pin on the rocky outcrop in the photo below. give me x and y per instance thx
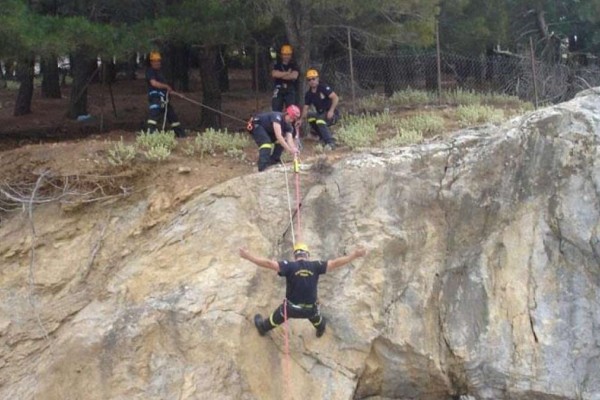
(483, 279)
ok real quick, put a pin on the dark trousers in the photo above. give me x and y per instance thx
(157, 114)
(269, 151)
(320, 125)
(282, 98)
(304, 311)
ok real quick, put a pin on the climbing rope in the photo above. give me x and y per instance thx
(298, 202)
(297, 233)
(287, 190)
(296, 169)
(166, 111)
(209, 108)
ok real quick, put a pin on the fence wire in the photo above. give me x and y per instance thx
(506, 74)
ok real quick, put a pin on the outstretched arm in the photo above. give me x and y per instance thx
(341, 261)
(260, 261)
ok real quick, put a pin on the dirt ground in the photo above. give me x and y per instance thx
(73, 155)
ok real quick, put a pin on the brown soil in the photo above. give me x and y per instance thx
(73, 155)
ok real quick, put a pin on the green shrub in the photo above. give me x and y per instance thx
(121, 153)
(158, 139)
(157, 146)
(372, 102)
(424, 124)
(478, 114)
(411, 97)
(212, 141)
(237, 154)
(158, 153)
(406, 97)
(461, 97)
(403, 137)
(358, 132)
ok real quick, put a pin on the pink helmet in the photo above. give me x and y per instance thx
(293, 111)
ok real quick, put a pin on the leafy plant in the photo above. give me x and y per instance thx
(212, 141)
(237, 154)
(403, 137)
(158, 153)
(121, 153)
(425, 124)
(411, 97)
(157, 146)
(358, 132)
(478, 114)
(461, 97)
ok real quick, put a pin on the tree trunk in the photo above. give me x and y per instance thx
(175, 66)
(25, 77)
(261, 61)
(211, 93)
(222, 69)
(50, 78)
(298, 28)
(80, 67)
(131, 67)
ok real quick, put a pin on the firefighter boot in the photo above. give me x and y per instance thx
(264, 157)
(321, 327)
(259, 323)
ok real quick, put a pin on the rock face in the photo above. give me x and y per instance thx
(483, 279)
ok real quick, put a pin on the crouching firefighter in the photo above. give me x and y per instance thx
(273, 131)
(302, 278)
(325, 101)
(158, 92)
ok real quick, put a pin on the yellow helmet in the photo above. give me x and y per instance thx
(286, 50)
(155, 56)
(312, 73)
(300, 247)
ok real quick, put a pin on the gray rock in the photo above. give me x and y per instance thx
(482, 281)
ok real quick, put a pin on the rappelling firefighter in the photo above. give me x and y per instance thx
(302, 278)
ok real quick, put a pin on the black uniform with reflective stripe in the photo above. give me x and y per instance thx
(284, 83)
(155, 74)
(320, 99)
(266, 121)
(302, 277)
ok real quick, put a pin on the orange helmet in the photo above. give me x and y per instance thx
(286, 50)
(312, 73)
(155, 56)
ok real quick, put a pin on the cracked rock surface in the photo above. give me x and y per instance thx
(482, 281)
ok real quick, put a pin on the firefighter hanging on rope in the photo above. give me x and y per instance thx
(302, 278)
(273, 131)
(158, 97)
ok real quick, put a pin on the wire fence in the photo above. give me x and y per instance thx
(511, 74)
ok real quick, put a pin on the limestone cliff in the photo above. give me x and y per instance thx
(483, 279)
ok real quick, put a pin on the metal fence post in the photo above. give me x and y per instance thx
(351, 70)
(438, 60)
(533, 72)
